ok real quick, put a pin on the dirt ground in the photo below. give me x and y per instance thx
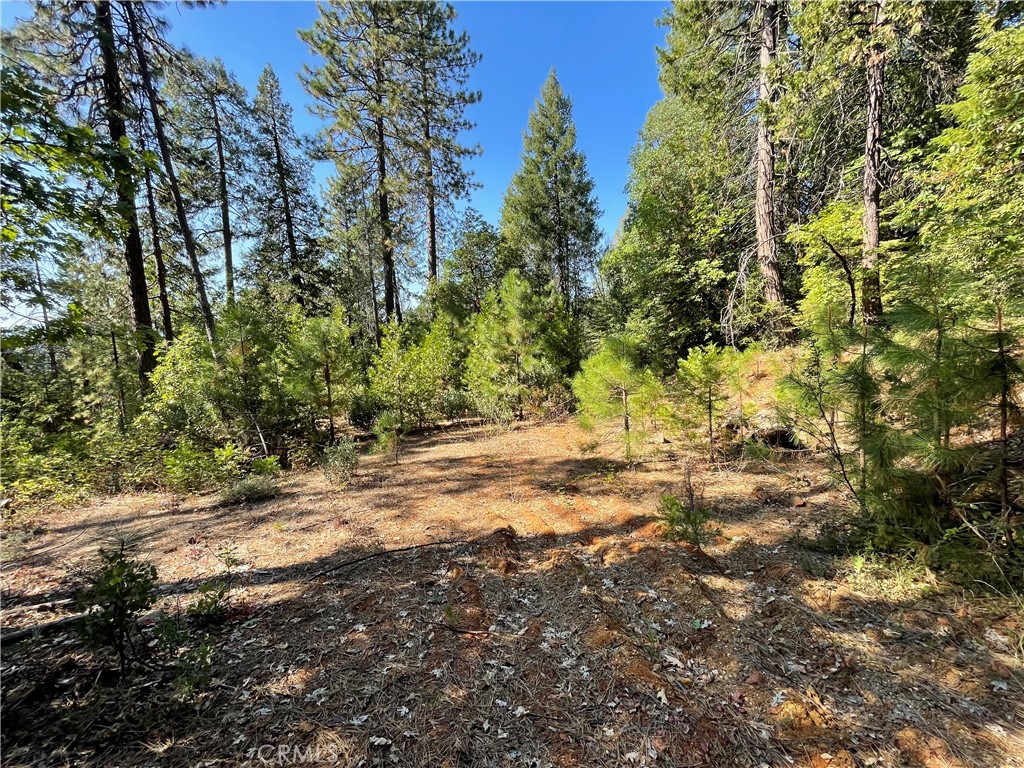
(550, 624)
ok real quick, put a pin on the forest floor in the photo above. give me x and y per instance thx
(557, 628)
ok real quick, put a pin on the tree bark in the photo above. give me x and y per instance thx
(764, 205)
(158, 257)
(383, 203)
(172, 178)
(871, 292)
(289, 222)
(124, 184)
(428, 170)
(51, 353)
(225, 211)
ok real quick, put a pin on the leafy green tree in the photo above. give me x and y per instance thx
(616, 394)
(363, 86)
(470, 270)
(549, 212)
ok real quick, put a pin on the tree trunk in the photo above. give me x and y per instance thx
(383, 203)
(764, 206)
(158, 257)
(50, 351)
(388, 247)
(330, 398)
(871, 292)
(428, 170)
(225, 212)
(289, 222)
(121, 413)
(124, 184)
(172, 178)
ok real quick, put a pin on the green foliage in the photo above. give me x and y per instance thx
(518, 350)
(388, 431)
(411, 379)
(194, 669)
(249, 490)
(189, 468)
(549, 212)
(700, 385)
(210, 606)
(116, 593)
(616, 394)
(339, 460)
(686, 519)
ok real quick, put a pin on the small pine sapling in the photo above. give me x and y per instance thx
(615, 394)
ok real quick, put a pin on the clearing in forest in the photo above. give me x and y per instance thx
(548, 624)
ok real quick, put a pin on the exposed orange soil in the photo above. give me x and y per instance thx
(565, 632)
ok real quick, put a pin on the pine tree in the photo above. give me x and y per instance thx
(517, 349)
(441, 61)
(283, 215)
(363, 86)
(549, 213)
(616, 394)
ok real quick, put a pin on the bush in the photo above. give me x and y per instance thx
(365, 409)
(268, 465)
(189, 468)
(388, 429)
(118, 591)
(687, 519)
(251, 489)
(211, 605)
(339, 460)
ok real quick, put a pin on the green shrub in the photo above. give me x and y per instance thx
(388, 430)
(339, 460)
(189, 468)
(194, 669)
(267, 465)
(365, 409)
(250, 489)
(686, 519)
(211, 605)
(117, 592)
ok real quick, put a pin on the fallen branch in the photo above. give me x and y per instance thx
(386, 552)
(39, 630)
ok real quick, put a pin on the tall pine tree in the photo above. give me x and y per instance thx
(549, 214)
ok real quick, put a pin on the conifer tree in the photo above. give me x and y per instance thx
(517, 348)
(549, 213)
(441, 61)
(283, 214)
(363, 86)
(616, 394)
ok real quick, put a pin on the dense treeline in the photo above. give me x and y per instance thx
(823, 243)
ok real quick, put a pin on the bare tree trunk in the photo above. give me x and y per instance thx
(764, 206)
(383, 203)
(124, 184)
(158, 257)
(50, 351)
(871, 291)
(225, 211)
(172, 178)
(428, 169)
(289, 222)
(388, 249)
(121, 414)
(330, 397)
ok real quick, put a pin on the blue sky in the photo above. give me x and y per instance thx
(604, 53)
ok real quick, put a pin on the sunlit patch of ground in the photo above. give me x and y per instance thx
(564, 631)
